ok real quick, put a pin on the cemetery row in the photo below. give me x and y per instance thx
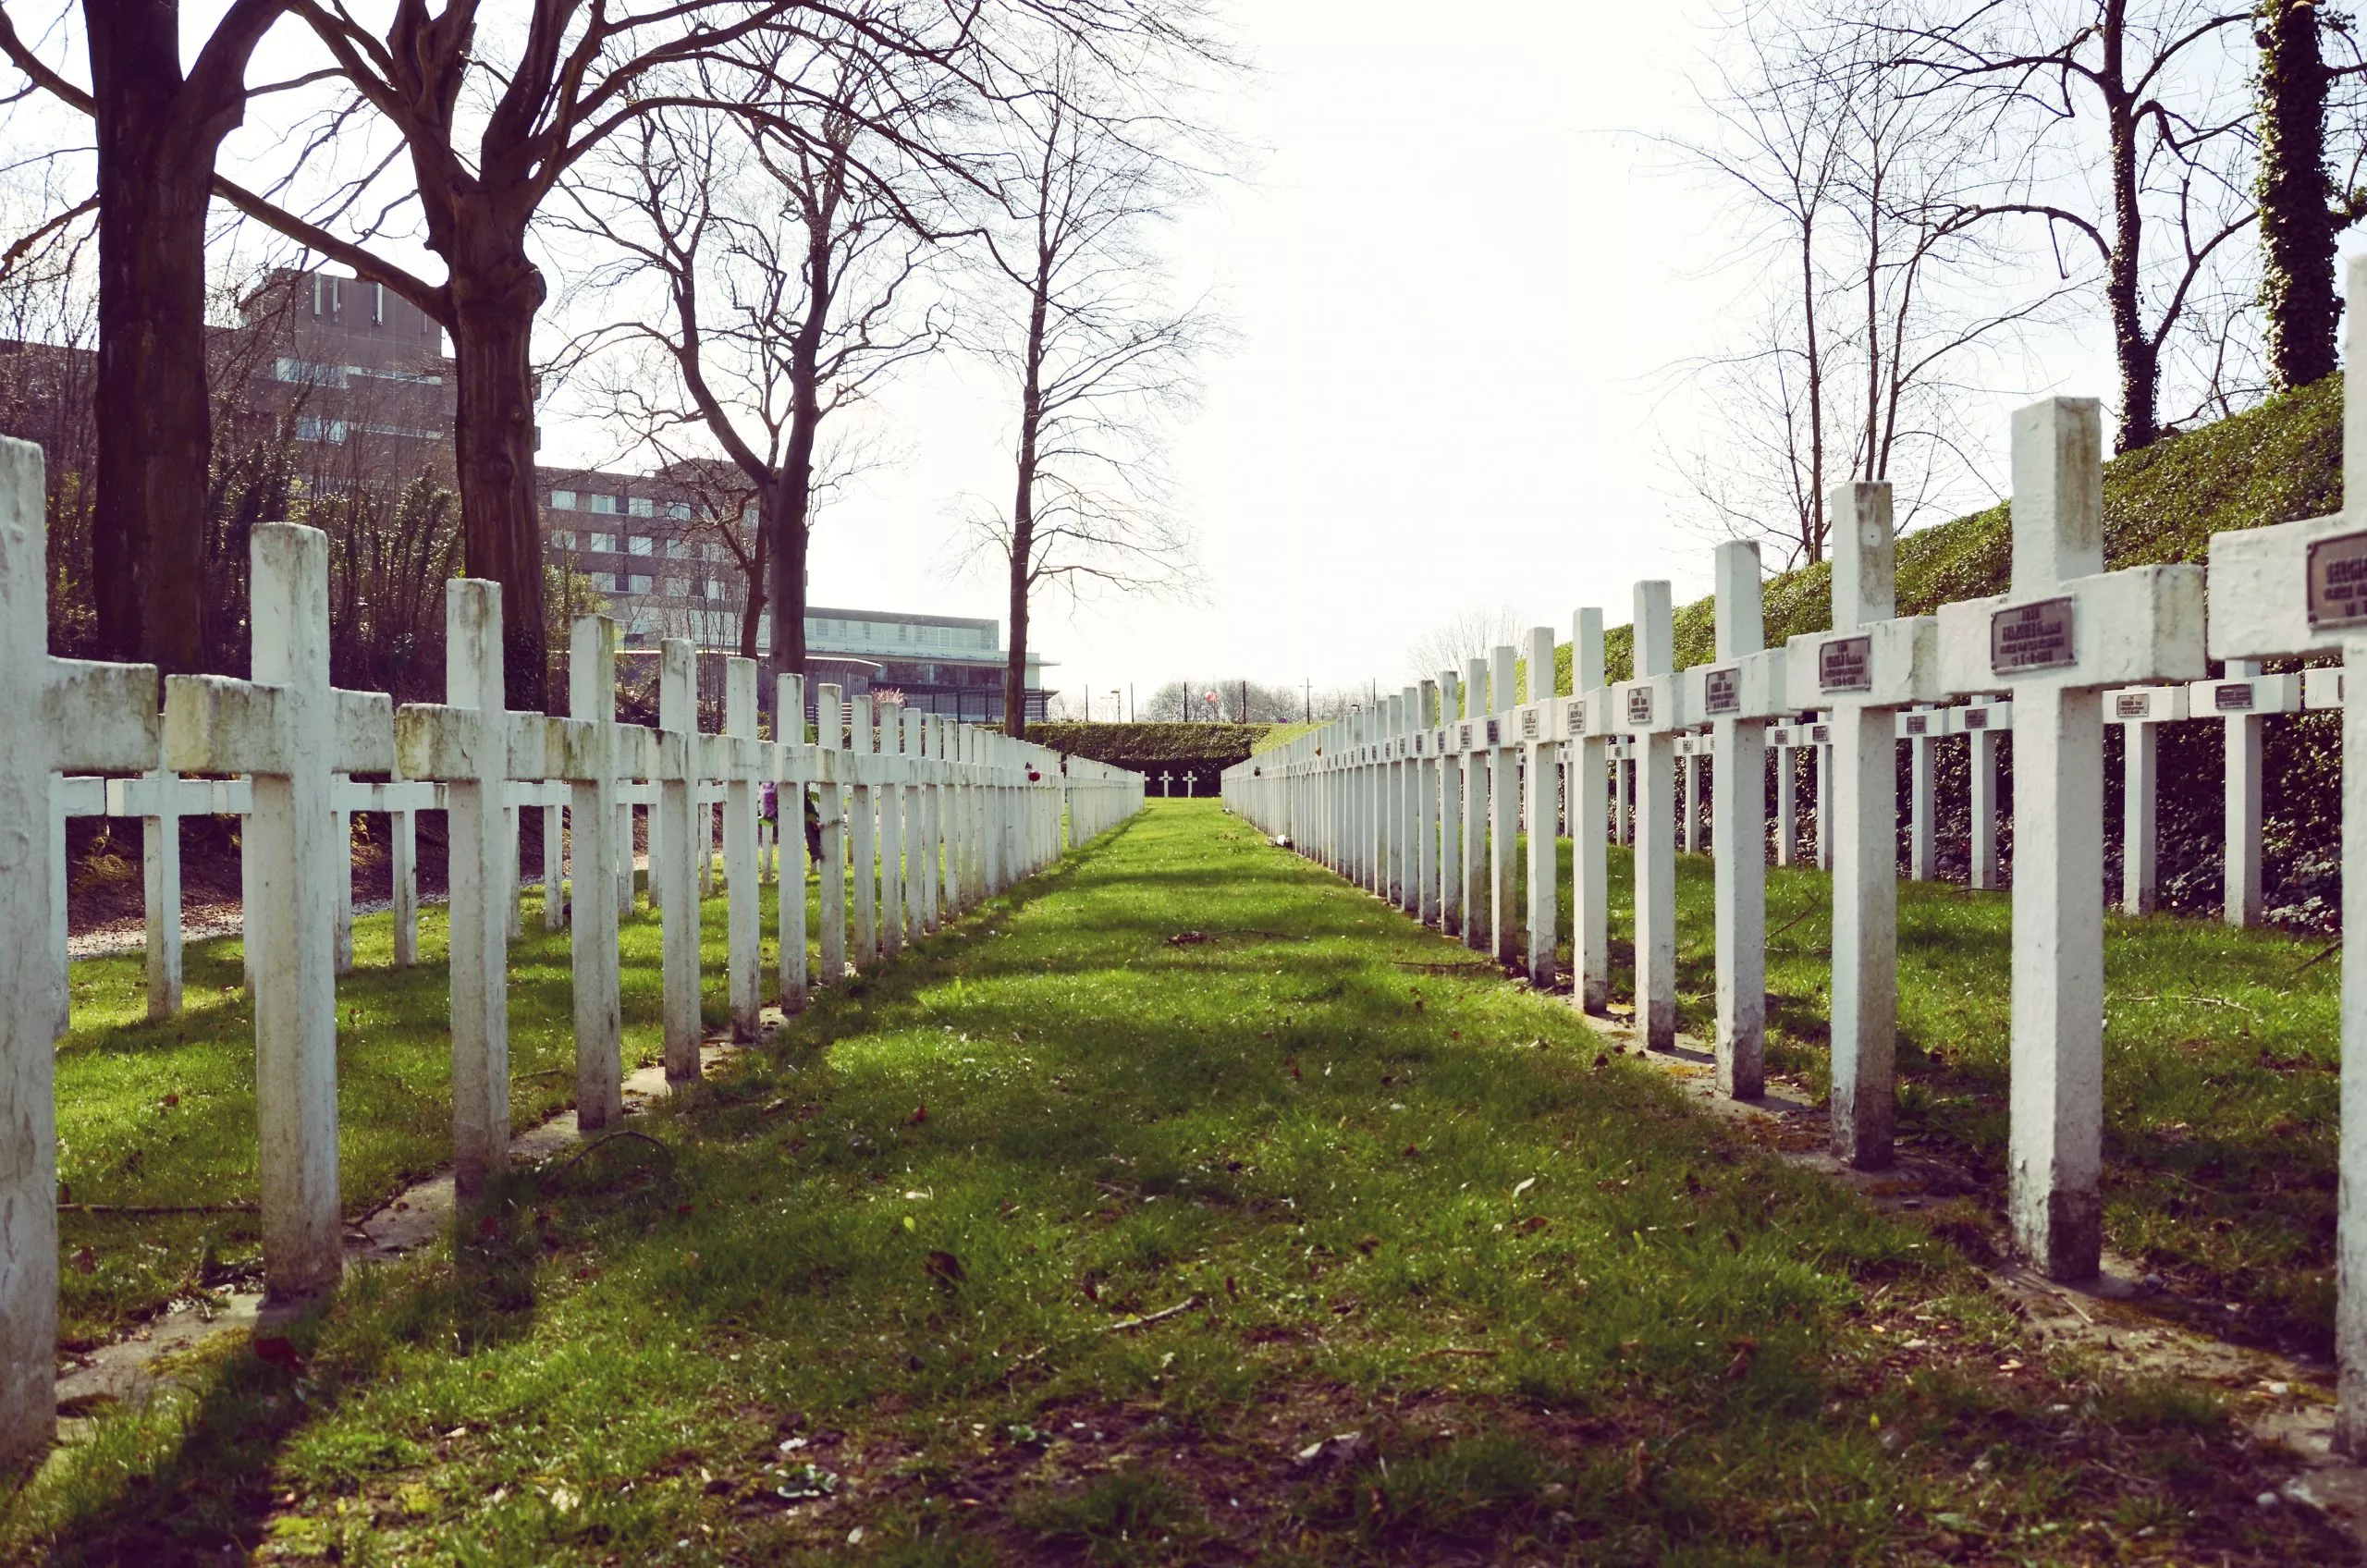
(1423, 798)
(920, 819)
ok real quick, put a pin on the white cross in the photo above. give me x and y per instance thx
(1541, 768)
(1165, 778)
(292, 730)
(160, 799)
(1737, 695)
(888, 796)
(919, 768)
(1872, 662)
(2244, 698)
(2067, 631)
(2295, 589)
(599, 756)
(1428, 765)
(1503, 802)
(797, 765)
(475, 746)
(830, 712)
(2141, 711)
(1650, 709)
(747, 763)
(55, 714)
(1920, 728)
(1585, 726)
(69, 797)
(675, 852)
(1451, 877)
(1981, 721)
(1191, 782)
(402, 802)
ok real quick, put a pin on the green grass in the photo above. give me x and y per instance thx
(164, 1113)
(2221, 1074)
(1466, 1288)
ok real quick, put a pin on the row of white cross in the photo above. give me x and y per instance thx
(921, 817)
(1417, 799)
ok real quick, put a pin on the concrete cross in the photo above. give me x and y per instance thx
(1190, 783)
(747, 764)
(602, 755)
(1449, 813)
(1164, 780)
(292, 730)
(160, 799)
(2243, 698)
(863, 814)
(1783, 740)
(1541, 765)
(1503, 802)
(890, 797)
(796, 767)
(682, 756)
(1872, 663)
(56, 714)
(69, 797)
(1920, 728)
(2141, 711)
(1422, 814)
(1981, 721)
(1585, 727)
(1471, 740)
(920, 849)
(831, 713)
(476, 747)
(401, 802)
(2067, 631)
(1737, 695)
(1650, 709)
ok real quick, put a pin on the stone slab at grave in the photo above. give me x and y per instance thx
(1737, 694)
(1919, 729)
(1872, 663)
(2067, 631)
(476, 748)
(1586, 729)
(291, 729)
(2141, 711)
(1541, 766)
(1981, 721)
(160, 799)
(2242, 699)
(1649, 710)
(58, 714)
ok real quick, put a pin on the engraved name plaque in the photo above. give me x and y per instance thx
(2032, 637)
(2338, 581)
(1845, 664)
(1721, 691)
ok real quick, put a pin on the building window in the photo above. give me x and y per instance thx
(603, 503)
(640, 544)
(637, 584)
(310, 428)
(606, 542)
(643, 506)
(563, 500)
(564, 538)
(679, 510)
(678, 549)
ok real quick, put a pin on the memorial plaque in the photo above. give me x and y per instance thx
(1976, 718)
(1845, 664)
(1491, 733)
(1440, 743)
(1822, 734)
(1528, 724)
(2235, 696)
(1639, 705)
(2131, 705)
(1466, 738)
(2032, 637)
(2338, 581)
(1576, 718)
(1918, 724)
(1721, 691)
(1418, 744)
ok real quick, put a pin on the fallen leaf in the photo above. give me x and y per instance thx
(946, 1266)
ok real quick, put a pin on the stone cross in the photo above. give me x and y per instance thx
(476, 747)
(746, 766)
(2243, 698)
(1920, 728)
(919, 848)
(56, 714)
(1821, 737)
(1191, 784)
(1450, 826)
(2141, 711)
(796, 770)
(2067, 629)
(1165, 778)
(603, 756)
(401, 802)
(1872, 663)
(1586, 725)
(864, 849)
(1649, 710)
(1737, 695)
(1784, 740)
(1688, 773)
(894, 771)
(69, 797)
(1427, 764)
(681, 757)
(1471, 734)
(1406, 778)
(1981, 721)
(830, 715)
(292, 730)
(1541, 765)
(1503, 804)
(160, 798)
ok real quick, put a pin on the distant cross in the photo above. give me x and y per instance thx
(2141, 711)
(794, 768)
(746, 764)
(1585, 724)
(1190, 783)
(2243, 698)
(1649, 710)
(293, 731)
(682, 835)
(56, 714)
(160, 799)
(2066, 630)
(1165, 778)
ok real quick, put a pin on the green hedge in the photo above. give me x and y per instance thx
(1141, 746)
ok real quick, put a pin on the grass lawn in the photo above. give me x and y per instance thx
(164, 1114)
(1453, 1286)
(2221, 1074)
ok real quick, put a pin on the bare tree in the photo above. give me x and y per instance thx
(1074, 313)
(787, 266)
(2148, 94)
(1472, 633)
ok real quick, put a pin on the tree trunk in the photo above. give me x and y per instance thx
(1014, 674)
(495, 296)
(782, 515)
(2135, 351)
(154, 421)
(2297, 219)
(794, 482)
(752, 610)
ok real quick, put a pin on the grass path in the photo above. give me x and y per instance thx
(1184, 1207)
